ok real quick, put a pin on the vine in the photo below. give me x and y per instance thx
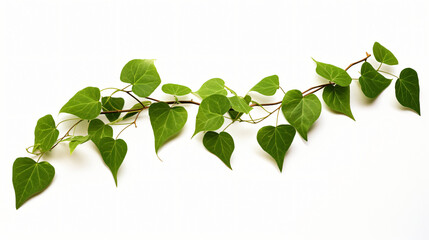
(218, 102)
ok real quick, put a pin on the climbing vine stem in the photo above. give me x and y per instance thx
(216, 103)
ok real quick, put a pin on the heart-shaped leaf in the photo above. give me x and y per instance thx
(371, 81)
(301, 112)
(338, 99)
(211, 87)
(333, 73)
(166, 122)
(29, 178)
(113, 153)
(383, 55)
(239, 104)
(45, 134)
(77, 140)
(407, 89)
(267, 86)
(276, 141)
(175, 89)
(98, 130)
(210, 113)
(221, 145)
(112, 104)
(142, 74)
(84, 104)
(236, 115)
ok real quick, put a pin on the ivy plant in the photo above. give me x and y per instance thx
(218, 103)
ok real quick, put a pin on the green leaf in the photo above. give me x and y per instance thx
(166, 122)
(98, 130)
(301, 112)
(221, 145)
(211, 87)
(239, 104)
(371, 81)
(84, 104)
(383, 55)
(76, 140)
(113, 153)
(236, 115)
(112, 104)
(276, 141)
(142, 74)
(29, 178)
(137, 106)
(338, 99)
(45, 134)
(407, 89)
(267, 86)
(333, 73)
(175, 89)
(210, 113)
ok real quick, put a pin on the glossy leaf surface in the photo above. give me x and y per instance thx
(210, 113)
(301, 112)
(84, 104)
(166, 122)
(45, 134)
(276, 141)
(221, 145)
(407, 89)
(142, 74)
(29, 178)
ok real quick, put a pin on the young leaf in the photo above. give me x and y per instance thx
(166, 122)
(333, 73)
(136, 106)
(407, 89)
(112, 104)
(267, 86)
(301, 112)
(371, 81)
(221, 145)
(113, 153)
(383, 55)
(98, 130)
(175, 89)
(29, 178)
(76, 140)
(45, 134)
(338, 99)
(239, 104)
(142, 74)
(210, 113)
(84, 104)
(276, 141)
(212, 86)
(236, 115)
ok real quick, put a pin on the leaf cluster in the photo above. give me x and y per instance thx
(301, 109)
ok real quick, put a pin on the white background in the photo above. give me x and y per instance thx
(363, 179)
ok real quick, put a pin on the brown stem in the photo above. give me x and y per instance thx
(320, 87)
(125, 110)
(65, 135)
(265, 104)
(362, 60)
(129, 93)
(305, 93)
(153, 99)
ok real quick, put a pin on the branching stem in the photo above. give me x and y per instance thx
(65, 135)
(307, 92)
